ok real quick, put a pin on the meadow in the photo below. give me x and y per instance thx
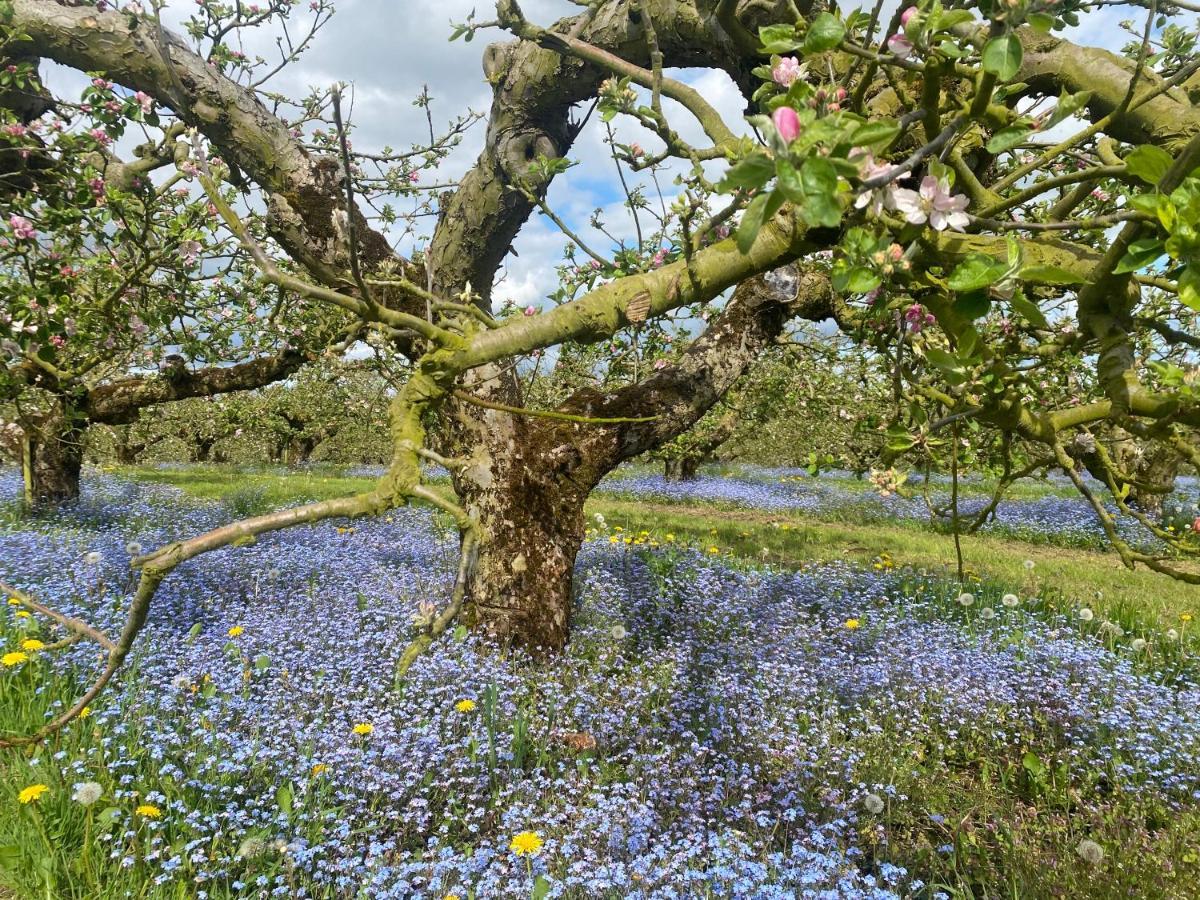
(769, 693)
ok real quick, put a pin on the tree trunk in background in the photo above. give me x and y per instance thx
(681, 468)
(53, 456)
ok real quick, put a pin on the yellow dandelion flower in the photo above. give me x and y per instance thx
(670, 538)
(614, 539)
(713, 551)
(363, 728)
(85, 712)
(13, 601)
(32, 793)
(527, 843)
(319, 769)
(853, 623)
(236, 630)
(33, 645)
(1185, 617)
(21, 614)
(148, 811)
(465, 706)
(15, 658)
(452, 897)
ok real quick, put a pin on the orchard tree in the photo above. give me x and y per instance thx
(981, 181)
(119, 292)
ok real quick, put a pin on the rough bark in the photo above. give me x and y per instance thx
(53, 455)
(527, 482)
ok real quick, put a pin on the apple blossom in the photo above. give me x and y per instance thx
(932, 203)
(788, 71)
(22, 227)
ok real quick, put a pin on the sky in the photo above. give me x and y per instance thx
(386, 50)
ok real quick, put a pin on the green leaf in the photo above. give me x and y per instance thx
(1033, 764)
(193, 631)
(1042, 22)
(1002, 56)
(789, 181)
(461, 633)
(1148, 163)
(876, 135)
(1029, 310)
(899, 440)
(1140, 254)
(819, 180)
(975, 272)
(752, 221)
(541, 888)
(108, 816)
(862, 280)
(825, 33)
(751, 173)
(1050, 275)
(262, 662)
(944, 21)
(1189, 288)
(10, 857)
(972, 304)
(778, 38)
(283, 797)
(1007, 138)
(943, 359)
(1068, 105)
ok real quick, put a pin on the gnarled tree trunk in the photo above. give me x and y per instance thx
(53, 455)
(526, 489)
(525, 480)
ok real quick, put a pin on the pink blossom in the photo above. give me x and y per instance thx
(659, 258)
(787, 72)
(100, 136)
(787, 123)
(145, 101)
(906, 16)
(100, 84)
(15, 130)
(1196, 524)
(531, 310)
(189, 250)
(918, 318)
(868, 169)
(900, 46)
(22, 227)
(635, 150)
(660, 364)
(933, 203)
(595, 264)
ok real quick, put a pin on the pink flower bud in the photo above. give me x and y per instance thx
(531, 311)
(906, 16)
(787, 123)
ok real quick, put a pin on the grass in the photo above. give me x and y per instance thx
(1140, 601)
